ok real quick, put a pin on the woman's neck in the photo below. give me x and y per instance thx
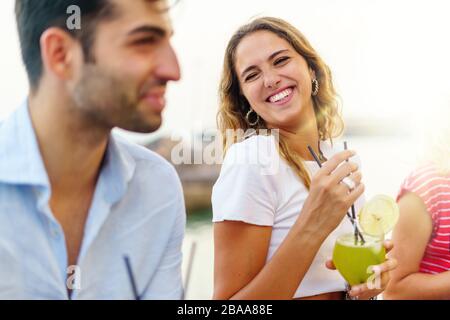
(304, 134)
(300, 140)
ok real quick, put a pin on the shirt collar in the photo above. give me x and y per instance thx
(21, 161)
(118, 168)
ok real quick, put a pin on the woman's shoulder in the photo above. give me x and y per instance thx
(428, 182)
(423, 175)
(254, 141)
(258, 150)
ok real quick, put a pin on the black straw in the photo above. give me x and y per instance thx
(353, 221)
(357, 233)
(353, 206)
(131, 277)
(315, 156)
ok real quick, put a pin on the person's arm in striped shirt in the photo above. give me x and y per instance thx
(410, 237)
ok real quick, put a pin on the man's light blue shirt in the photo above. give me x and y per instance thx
(137, 210)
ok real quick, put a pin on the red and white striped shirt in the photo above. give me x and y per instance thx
(433, 188)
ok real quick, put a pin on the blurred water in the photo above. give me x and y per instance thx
(385, 163)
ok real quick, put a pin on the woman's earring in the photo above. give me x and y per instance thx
(315, 87)
(247, 117)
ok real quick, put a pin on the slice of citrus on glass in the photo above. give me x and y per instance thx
(379, 215)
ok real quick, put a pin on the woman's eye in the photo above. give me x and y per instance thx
(251, 77)
(281, 60)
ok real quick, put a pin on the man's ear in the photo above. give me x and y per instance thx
(58, 51)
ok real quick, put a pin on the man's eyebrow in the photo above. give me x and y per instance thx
(273, 55)
(151, 29)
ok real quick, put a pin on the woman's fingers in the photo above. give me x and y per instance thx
(386, 266)
(358, 290)
(330, 265)
(335, 161)
(365, 294)
(356, 193)
(388, 245)
(351, 182)
(356, 177)
(345, 170)
(382, 270)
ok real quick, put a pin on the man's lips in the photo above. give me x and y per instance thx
(156, 102)
(154, 96)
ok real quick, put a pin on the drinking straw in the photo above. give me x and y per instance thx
(353, 206)
(131, 277)
(316, 158)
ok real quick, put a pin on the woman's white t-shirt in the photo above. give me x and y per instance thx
(257, 186)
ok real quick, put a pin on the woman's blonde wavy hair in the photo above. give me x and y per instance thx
(234, 106)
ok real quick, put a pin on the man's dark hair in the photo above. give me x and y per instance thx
(35, 16)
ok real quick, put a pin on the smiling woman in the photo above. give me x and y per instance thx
(273, 232)
(282, 53)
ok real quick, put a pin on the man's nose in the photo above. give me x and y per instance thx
(168, 68)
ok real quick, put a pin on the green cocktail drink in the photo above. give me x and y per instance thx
(353, 259)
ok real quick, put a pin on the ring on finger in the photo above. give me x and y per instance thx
(349, 183)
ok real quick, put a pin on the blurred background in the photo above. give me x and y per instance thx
(390, 62)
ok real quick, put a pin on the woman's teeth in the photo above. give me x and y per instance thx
(279, 96)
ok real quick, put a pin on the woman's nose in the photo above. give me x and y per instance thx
(271, 80)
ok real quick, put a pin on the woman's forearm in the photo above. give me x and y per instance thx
(281, 276)
(420, 286)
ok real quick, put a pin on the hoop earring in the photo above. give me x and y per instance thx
(316, 87)
(247, 118)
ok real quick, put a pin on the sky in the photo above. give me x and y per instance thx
(389, 59)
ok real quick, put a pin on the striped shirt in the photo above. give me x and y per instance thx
(433, 188)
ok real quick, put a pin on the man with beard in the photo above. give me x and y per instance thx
(83, 213)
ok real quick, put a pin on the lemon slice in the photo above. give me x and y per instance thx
(379, 215)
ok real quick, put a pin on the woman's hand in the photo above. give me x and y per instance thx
(329, 199)
(366, 291)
